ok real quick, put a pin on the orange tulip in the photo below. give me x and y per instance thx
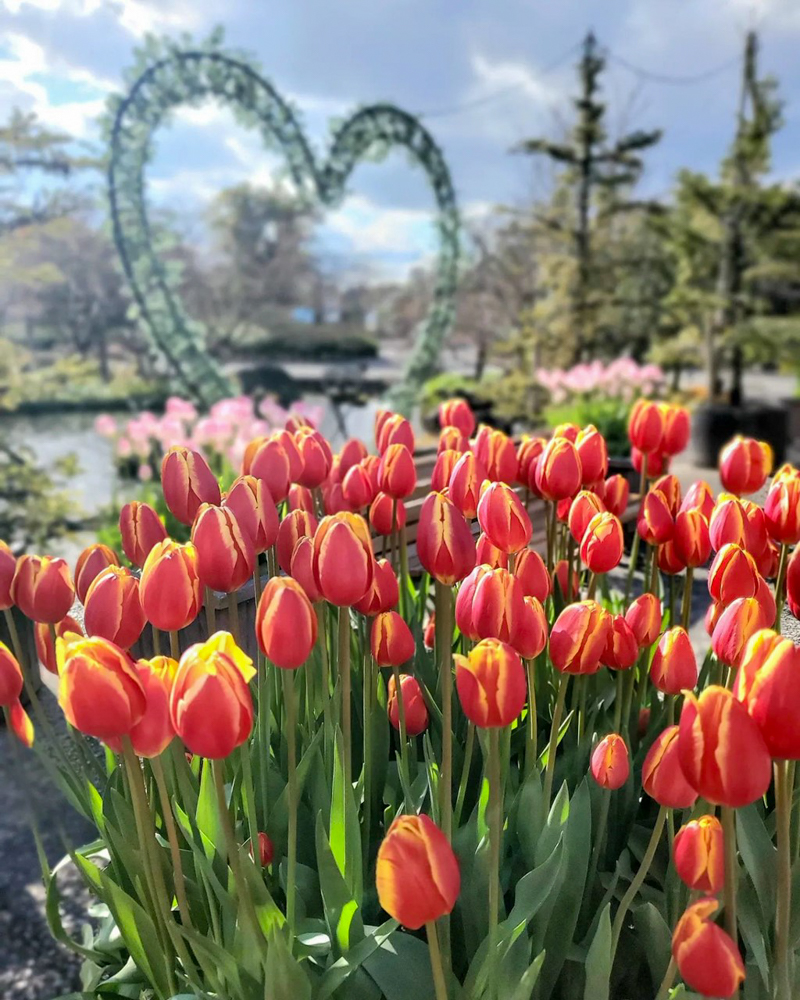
(646, 425)
(559, 471)
(99, 690)
(602, 544)
(708, 959)
(578, 638)
(615, 494)
(384, 593)
(611, 763)
(569, 588)
(670, 487)
(286, 626)
(489, 554)
(255, 510)
(465, 484)
(391, 641)
(141, 528)
(296, 524)
(530, 635)
(698, 853)
(302, 568)
(42, 588)
(154, 732)
(446, 461)
(210, 704)
(112, 608)
(528, 452)
(445, 545)
(397, 474)
(457, 413)
(187, 482)
(662, 775)
(644, 617)
(170, 588)
(11, 684)
(503, 518)
(316, 455)
(691, 538)
(677, 428)
(344, 564)
(581, 510)
(289, 441)
(733, 574)
(414, 707)
(380, 514)
(451, 439)
(674, 665)
(767, 682)
(700, 497)
(395, 429)
(91, 561)
(716, 736)
(43, 640)
(530, 570)
(593, 453)
(622, 649)
(465, 601)
(744, 465)
(497, 606)
(352, 452)
(655, 524)
(226, 554)
(417, 872)
(8, 567)
(357, 488)
(266, 459)
(782, 510)
(735, 626)
(499, 456)
(567, 430)
(491, 684)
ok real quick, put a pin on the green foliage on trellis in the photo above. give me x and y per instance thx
(171, 73)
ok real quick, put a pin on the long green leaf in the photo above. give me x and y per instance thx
(598, 960)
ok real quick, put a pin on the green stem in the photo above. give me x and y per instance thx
(533, 734)
(495, 841)
(444, 654)
(250, 793)
(174, 846)
(602, 824)
(638, 879)
(783, 800)
(322, 641)
(780, 586)
(156, 641)
(211, 614)
(439, 981)
(667, 981)
(728, 817)
(401, 716)
(233, 617)
(291, 735)
(686, 609)
(465, 769)
(174, 646)
(654, 588)
(344, 676)
(552, 746)
(672, 600)
(619, 695)
(551, 541)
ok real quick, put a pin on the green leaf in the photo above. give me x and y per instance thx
(347, 964)
(283, 974)
(401, 967)
(531, 892)
(53, 911)
(207, 815)
(530, 816)
(750, 919)
(341, 910)
(759, 856)
(345, 829)
(655, 937)
(598, 960)
(528, 981)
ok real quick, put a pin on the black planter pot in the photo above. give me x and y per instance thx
(714, 425)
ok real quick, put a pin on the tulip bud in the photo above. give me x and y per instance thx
(465, 601)
(567, 430)
(558, 471)
(302, 567)
(457, 413)
(662, 775)
(141, 529)
(602, 544)
(353, 452)
(266, 850)
(669, 561)
(384, 593)
(611, 764)
(99, 690)
(465, 484)
(782, 510)
(255, 510)
(489, 554)
(417, 872)
(674, 665)
(655, 524)
(677, 428)
(414, 708)
(397, 474)
(395, 429)
(744, 465)
(286, 626)
(530, 570)
(615, 494)
(317, 457)
(569, 589)
(646, 426)
(442, 470)
(530, 635)
(391, 641)
(499, 456)
(43, 640)
(644, 617)
(698, 853)
(699, 497)
(578, 638)
(357, 488)
(756, 535)
(113, 610)
(187, 482)
(491, 684)
(92, 561)
(736, 625)
(497, 606)
(42, 588)
(154, 732)
(11, 684)
(451, 439)
(655, 463)
(266, 459)
(170, 588)
(528, 452)
(225, 554)
(691, 538)
(622, 649)
(429, 635)
(581, 510)
(380, 514)
(733, 574)
(344, 563)
(670, 487)
(643, 723)
(445, 545)
(715, 736)
(728, 522)
(296, 524)
(767, 683)
(210, 704)
(503, 518)
(766, 601)
(593, 452)
(708, 959)
(289, 441)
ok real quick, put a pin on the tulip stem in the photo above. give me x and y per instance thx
(249, 791)
(444, 652)
(780, 586)
(495, 846)
(322, 640)
(552, 746)
(638, 879)
(602, 825)
(401, 718)
(533, 733)
(667, 981)
(233, 617)
(439, 982)
(552, 521)
(686, 609)
(654, 588)
(632, 565)
(172, 837)
(344, 676)
(174, 645)
(618, 696)
(465, 769)
(591, 587)
(369, 699)
(156, 641)
(211, 614)
(672, 600)
(783, 802)
(291, 734)
(728, 817)
(403, 569)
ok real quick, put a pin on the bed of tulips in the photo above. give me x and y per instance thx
(512, 777)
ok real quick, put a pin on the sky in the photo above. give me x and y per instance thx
(484, 74)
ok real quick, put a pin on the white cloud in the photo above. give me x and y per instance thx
(370, 228)
(495, 75)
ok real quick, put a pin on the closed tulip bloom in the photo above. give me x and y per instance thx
(497, 606)
(457, 413)
(352, 452)
(581, 511)
(768, 684)
(615, 494)
(736, 625)
(380, 514)
(266, 850)
(391, 641)
(708, 959)
(381, 416)
(756, 534)
(700, 497)
(451, 439)
(255, 510)
(744, 465)
(317, 457)
(289, 441)
(530, 635)
(622, 649)
(302, 568)
(170, 588)
(569, 588)
(226, 555)
(113, 609)
(669, 561)
(655, 524)
(766, 601)
(691, 538)
(593, 452)
(416, 874)
(491, 684)
(793, 583)
(92, 561)
(286, 626)
(698, 853)
(141, 528)
(782, 510)
(670, 487)
(558, 471)
(154, 732)
(662, 775)
(395, 429)
(42, 588)
(728, 522)
(99, 690)
(296, 524)
(611, 763)
(333, 501)
(655, 463)
(644, 617)
(716, 737)
(414, 707)
(384, 593)
(465, 601)
(43, 640)
(357, 488)
(429, 634)
(445, 545)
(266, 459)
(187, 482)
(465, 484)
(11, 684)
(578, 638)
(530, 570)
(489, 554)
(677, 428)
(499, 457)
(602, 544)
(733, 574)
(674, 665)
(210, 704)
(397, 474)
(8, 567)
(446, 461)
(528, 452)
(712, 616)
(567, 430)
(646, 426)
(344, 563)
(503, 518)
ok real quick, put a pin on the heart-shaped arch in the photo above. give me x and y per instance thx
(181, 76)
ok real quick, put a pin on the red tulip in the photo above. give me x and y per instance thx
(559, 471)
(782, 510)
(767, 683)
(503, 518)
(569, 588)
(357, 488)
(528, 452)
(451, 439)
(414, 708)
(611, 764)
(457, 413)
(93, 560)
(691, 538)
(602, 544)
(8, 567)
(708, 959)
(154, 732)
(581, 511)
(499, 457)
(669, 561)
(530, 570)
(489, 554)
(530, 635)
(170, 588)
(593, 453)
(266, 850)
(255, 510)
(737, 623)
(286, 626)
(698, 853)
(646, 426)
(391, 641)
(226, 555)
(317, 457)
(42, 588)
(744, 465)
(397, 474)
(655, 524)
(567, 430)
(662, 775)
(43, 640)
(674, 665)
(445, 545)
(615, 494)
(655, 462)
(465, 484)
(296, 524)
(733, 574)
(302, 567)
(11, 684)
(344, 563)
(289, 441)
(644, 617)
(446, 461)
(353, 452)
(113, 609)
(622, 649)
(380, 514)
(497, 606)
(187, 482)
(677, 428)
(266, 459)
(670, 487)
(384, 593)
(699, 497)
(491, 684)
(578, 638)
(395, 429)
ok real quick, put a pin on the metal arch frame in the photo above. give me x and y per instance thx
(185, 75)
